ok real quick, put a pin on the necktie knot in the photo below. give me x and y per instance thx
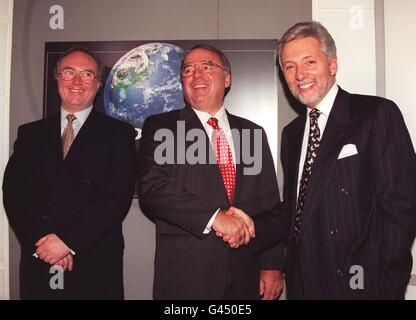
(314, 114)
(213, 122)
(70, 117)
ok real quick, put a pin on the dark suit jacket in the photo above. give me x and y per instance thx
(359, 210)
(182, 198)
(83, 199)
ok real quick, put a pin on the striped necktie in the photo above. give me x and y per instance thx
(68, 135)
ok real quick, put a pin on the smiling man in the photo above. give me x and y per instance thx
(206, 214)
(349, 181)
(68, 187)
(79, 78)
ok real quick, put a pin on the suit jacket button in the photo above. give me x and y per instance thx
(333, 231)
(344, 191)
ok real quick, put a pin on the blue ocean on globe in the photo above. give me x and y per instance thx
(145, 81)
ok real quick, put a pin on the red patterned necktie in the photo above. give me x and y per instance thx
(224, 158)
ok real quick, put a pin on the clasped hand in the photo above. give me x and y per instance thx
(234, 226)
(51, 249)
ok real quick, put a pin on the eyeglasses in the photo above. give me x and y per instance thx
(206, 67)
(69, 74)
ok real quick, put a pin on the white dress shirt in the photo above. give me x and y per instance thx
(223, 123)
(324, 107)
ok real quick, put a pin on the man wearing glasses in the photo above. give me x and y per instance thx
(212, 217)
(68, 187)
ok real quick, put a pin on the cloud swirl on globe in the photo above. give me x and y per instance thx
(145, 81)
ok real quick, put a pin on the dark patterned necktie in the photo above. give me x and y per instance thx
(224, 158)
(311, 152)
(68, 135)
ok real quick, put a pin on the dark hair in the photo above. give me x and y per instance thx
(310, 29)
(219, 54)
(101, 68)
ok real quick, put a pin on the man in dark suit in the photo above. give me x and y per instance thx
(66, 197)
(349, 181)
(188, 198)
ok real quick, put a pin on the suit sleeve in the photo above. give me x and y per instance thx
(111, 206)
(273, 258)
(23, 209)
(283, 158)
(270, 221)
(163, 197)
(393, 171)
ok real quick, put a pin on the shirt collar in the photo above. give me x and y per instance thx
(325, 106)
(221, 116)
(81, 115)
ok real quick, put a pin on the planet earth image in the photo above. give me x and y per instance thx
(143, 82)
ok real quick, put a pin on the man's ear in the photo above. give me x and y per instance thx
(333, 67)
(99, 85)
(227, 80)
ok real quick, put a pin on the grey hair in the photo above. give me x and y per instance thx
(312, 29)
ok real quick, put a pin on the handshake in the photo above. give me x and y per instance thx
(234, 226)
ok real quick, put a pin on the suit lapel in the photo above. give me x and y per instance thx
(53, 137)
(212, 170)
(86, 136)
(295, 139)
(331, 144)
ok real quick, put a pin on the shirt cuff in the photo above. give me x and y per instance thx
(211, 222)
(36, 255)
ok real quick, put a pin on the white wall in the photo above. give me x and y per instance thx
(6, 9)
(351, 24)
(400, 28)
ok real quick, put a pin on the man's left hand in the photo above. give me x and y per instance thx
(66, 263)
(51, 249)
(271, 284)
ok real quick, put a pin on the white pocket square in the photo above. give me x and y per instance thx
(347, 151)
